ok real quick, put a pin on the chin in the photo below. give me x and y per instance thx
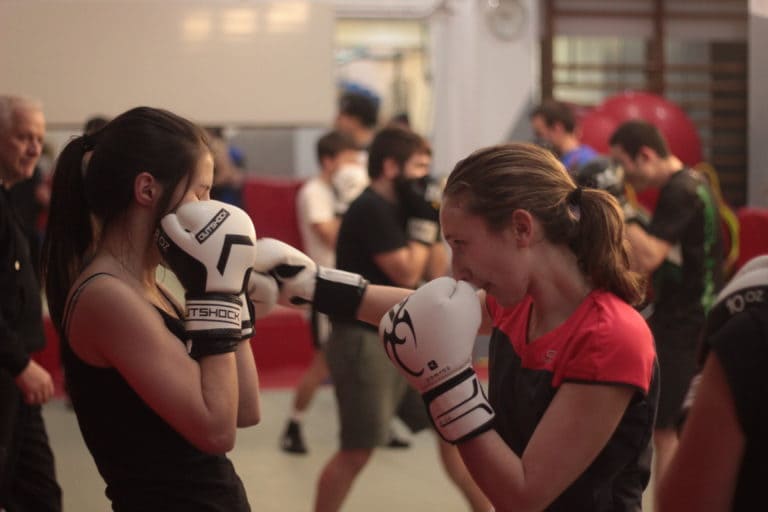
(505, 301)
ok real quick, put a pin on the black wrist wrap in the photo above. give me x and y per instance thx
(337, 293)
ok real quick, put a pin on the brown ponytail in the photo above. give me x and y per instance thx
(496, 181)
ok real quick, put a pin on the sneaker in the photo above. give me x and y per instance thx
(396, 442)
(291, 441)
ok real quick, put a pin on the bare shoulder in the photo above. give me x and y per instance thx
(108, 315)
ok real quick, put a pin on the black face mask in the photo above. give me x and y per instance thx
(405, 187)
(425, 189)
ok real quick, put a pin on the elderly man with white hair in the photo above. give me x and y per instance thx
(27, 476)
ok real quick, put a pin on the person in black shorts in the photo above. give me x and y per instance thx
(721, 461)
(158, 389)
(682, 251)
(573, 377)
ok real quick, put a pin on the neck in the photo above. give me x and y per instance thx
(568, 144)
(363, 137)
(667, 167)
(385, 189)
(557, 289)
(130, 255)
(326, 175)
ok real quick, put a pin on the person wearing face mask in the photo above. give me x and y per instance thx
(390, 235)
(554, 126)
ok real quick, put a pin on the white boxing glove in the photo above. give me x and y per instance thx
(210, 246)
(333, 292)
(263, 292)
(429, 337)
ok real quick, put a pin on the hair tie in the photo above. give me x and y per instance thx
(574, 202)
(87, 143)
(574, 196)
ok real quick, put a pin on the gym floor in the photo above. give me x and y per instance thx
(395, 479)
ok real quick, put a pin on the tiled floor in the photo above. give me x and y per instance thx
(403, 480)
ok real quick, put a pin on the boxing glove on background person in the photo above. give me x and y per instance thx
(420, 199)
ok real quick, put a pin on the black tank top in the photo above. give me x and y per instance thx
(146, 464)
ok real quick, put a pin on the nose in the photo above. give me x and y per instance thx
(35, 148)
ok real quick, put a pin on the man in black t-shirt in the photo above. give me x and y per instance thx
(389, 235)
(682, 252)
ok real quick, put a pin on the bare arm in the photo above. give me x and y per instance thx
(703, 473)
(327, 231)
(648, 252)
(249, 406)
(575, 428)
(405, 266)
(198, 400)
(377, 301)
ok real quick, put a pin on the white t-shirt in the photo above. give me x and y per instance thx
(314, 204)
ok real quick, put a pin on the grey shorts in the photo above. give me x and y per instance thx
(370, 392)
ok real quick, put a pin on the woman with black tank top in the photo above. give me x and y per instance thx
(158, 399)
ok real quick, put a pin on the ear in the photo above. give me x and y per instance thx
(558, 128)
(146, 190)
(521, 227)
(645, 154)
(390, 168)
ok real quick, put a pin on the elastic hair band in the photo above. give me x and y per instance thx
(574, 196)
(87, 142)
(574, 202)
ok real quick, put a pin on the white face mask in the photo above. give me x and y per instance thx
(349, 181)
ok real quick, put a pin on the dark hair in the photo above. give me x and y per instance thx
(94, 124)
(553, 112)
(494, 182)
(633, 135)
(363, 108)
(396, 143)
(140, 140)
(333, 143)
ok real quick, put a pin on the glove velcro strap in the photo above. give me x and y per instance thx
(423, 230)
(458, 408)
(338, 293)
(247, 330)
(213, 316)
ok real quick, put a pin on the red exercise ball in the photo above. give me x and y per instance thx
(596, 128)
(680, 132)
